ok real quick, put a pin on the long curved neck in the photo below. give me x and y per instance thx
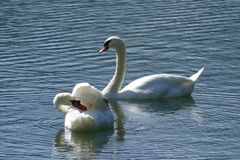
(115, 84)
(62, 103)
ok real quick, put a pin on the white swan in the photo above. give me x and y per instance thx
(85, 108)
(148, 87)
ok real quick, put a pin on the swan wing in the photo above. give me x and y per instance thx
(160, 85)
(85, 89)
(86, 93)
(90, 96)
(90, 120)
(75, 120)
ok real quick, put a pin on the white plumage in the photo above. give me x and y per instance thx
(98, 114)
(148, 87)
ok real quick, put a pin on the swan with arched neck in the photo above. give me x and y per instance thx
(148, 87)
(85, 108)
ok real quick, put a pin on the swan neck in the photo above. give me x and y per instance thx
(116, 83)
(62, 104)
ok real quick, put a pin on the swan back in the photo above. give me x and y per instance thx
(160, 86)
(81, 89)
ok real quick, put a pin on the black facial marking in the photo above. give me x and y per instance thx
(107, 43)
(75, 102)
(105, 100)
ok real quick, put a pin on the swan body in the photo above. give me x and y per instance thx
(148, 87)
(97, 114)
(157, 86)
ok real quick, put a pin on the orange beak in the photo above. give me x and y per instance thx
(104, 49)
(77, 104)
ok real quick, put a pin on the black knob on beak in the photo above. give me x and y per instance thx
(75, 102)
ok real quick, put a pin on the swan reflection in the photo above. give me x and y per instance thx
(152, 107)
(164, 106)
(119, 119)
(130, 116)
(80, 144)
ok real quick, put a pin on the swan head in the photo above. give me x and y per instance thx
(77, 104)
(112, 42)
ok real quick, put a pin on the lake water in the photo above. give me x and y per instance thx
(46, 47)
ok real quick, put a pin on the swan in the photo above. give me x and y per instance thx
(148, 87)
(85, 108)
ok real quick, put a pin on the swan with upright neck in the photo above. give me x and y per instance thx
(85, 108)
(148, 87)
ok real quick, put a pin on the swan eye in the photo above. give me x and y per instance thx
(105, 100)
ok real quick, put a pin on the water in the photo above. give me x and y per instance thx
(47, 47)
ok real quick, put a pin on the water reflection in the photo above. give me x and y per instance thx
(168, 106)
(81, 144)
(163, 106)
(123, 109)
(119, 119)
(87, 145)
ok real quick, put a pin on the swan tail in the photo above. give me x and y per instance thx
(196, 75)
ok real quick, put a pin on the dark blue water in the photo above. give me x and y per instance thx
(46, 47)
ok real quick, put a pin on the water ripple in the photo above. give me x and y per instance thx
(47, 47)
